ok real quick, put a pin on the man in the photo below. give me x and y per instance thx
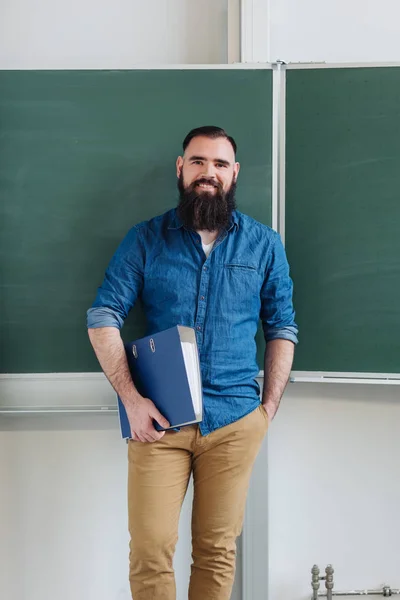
(210, 267)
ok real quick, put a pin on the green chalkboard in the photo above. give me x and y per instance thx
(343, 216)
(84, 155)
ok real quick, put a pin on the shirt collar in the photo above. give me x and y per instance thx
(176, 223)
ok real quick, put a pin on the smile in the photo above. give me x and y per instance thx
(206, 186)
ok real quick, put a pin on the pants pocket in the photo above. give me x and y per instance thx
(264, 414)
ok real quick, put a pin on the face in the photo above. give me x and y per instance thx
(207, 165)
(207, 175)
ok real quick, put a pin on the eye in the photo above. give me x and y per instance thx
(197, 162)
(221, 165)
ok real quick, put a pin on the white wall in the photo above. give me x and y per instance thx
(326, 489)
(63, 507)
(63, 517)
(311, 30)
(79, 34)
(334, 487)
(340, 31)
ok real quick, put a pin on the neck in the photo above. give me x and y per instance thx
(208, 236)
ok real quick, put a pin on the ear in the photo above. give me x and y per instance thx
(236, 169)
(179, 165)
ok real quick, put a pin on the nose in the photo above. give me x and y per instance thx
(209, 170)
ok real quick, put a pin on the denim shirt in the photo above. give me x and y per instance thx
(244, 279)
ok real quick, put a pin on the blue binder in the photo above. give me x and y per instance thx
(158, 369)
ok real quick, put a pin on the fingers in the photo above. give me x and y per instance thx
(162, 421)
(154, 436)
(148, 436)
(141, 436)
(142, 426)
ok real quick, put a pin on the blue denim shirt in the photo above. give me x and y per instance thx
(245, 278)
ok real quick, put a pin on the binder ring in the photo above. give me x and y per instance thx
(152, 345)
(134, 350)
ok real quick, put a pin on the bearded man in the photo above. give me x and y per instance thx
(208, 266)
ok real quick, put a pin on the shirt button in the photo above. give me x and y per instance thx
(205, 268)
(202, 298)
(198, 328)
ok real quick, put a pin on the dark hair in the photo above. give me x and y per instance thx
(208, 131)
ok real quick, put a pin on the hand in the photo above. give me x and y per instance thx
(141, 413)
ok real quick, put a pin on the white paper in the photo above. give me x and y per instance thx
(191, 365)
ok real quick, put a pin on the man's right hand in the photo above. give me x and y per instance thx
(110, 351)
(141, 413)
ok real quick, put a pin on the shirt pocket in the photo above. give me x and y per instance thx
(240, 267)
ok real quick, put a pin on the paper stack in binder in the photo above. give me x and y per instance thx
(165, 368)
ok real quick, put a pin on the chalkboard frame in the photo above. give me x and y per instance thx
(312, 376)
(225, 67)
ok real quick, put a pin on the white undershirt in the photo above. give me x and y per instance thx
(207, 248)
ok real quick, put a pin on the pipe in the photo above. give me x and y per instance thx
(386, 592)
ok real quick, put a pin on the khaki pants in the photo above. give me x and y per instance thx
(159, 472)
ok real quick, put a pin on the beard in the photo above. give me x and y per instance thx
(208, 211)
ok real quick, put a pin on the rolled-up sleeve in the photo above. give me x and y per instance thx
(122, 284)
(277, 313)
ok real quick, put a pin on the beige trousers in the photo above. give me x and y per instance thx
(159, 472)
